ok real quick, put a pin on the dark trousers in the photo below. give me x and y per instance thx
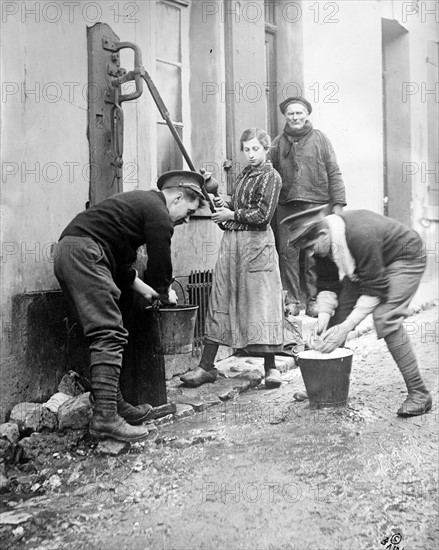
(83, 271)
(296, 267)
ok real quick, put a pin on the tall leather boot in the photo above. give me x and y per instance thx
(105, 422)
(205, 372)
(419, 399)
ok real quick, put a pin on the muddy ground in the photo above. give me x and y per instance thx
(261, 472)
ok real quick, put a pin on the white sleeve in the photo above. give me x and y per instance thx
(364, 306)
(327, 302)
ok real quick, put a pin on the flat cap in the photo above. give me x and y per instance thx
(299, 224)
(182, 178)
(298, 99)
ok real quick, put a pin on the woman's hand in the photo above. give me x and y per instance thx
(223, 215)
(144, 290)
(219, 202)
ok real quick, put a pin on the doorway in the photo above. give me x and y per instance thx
(396, 122)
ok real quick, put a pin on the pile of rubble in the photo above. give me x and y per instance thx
(69, 408)
(37, 432)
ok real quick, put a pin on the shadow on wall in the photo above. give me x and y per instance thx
(45, 344)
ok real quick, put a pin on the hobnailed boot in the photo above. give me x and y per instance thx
(110, 425)
(105, 422)
(134, 415)
(419, 400)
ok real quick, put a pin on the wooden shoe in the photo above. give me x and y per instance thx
(199, 376)
(273, 379)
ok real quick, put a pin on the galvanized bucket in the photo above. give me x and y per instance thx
(176, 327)
(326, 376)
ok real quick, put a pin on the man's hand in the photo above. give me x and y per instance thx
(322, 321)
(315, 340)
(144, 290)
(334, 338)
(337, 209)
(172, 296)
(223, 215)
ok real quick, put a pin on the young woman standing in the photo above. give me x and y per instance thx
(246, 303)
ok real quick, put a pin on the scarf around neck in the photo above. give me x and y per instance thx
(292, 135)
(339, 248)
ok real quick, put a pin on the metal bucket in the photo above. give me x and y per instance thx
(176, 327)
(326, 376)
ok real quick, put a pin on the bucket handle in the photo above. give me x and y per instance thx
(186, 301)
(157, 303)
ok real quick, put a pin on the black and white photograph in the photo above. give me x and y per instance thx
(219, 275)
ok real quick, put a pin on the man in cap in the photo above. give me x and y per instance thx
(365, 263)
(93, 264)
(307, 164)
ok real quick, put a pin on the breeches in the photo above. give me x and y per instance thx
(84, 273)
